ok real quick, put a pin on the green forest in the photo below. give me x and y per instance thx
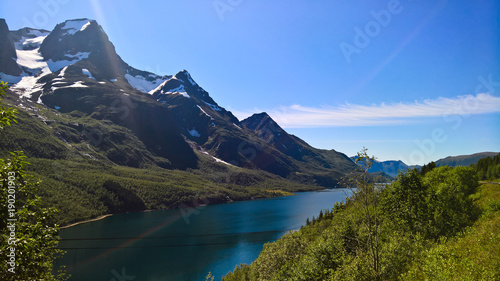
(435, 224)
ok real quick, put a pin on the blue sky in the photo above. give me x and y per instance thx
(409, 80)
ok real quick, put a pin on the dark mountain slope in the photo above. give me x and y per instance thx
(8, 55)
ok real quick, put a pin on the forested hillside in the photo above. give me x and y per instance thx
(488, 168)
(439, 226)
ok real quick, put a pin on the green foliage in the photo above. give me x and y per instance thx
(404, 202)
(7, 115)
(450, 200)
(427, 168)
(438, 204)
(421, 227)
(34, 238)
(473, 255)
(488, 168)
(210, 277)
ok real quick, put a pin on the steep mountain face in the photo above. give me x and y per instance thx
(8, 55)
(75, 70)
(323, 164)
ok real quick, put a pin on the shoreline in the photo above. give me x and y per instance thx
(86, 221)
(152, 210)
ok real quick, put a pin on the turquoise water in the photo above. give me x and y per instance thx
(185, 244)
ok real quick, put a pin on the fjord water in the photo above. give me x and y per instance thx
(185, 244)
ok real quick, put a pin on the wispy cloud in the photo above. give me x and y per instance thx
(350, 115)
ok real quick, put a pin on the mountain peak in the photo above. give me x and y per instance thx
(263, 123)
(75, 36)
(76, 25)
(259, 120)
(184, 76)
(261, 115)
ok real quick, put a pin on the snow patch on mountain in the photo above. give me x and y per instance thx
(213, 106)
(217, 159)
(204, 112)
(29, 43)
(143, 85)
(77, 84)
(33, 62)
(75, 26)
(179, 90)
(87, 72)
(63, 72)
(30, 58)
(190, 79)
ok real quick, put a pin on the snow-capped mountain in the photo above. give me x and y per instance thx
(75, 69)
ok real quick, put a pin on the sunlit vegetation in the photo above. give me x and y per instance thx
(436, 225)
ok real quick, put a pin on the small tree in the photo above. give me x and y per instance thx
(28, 241)
(365, 198)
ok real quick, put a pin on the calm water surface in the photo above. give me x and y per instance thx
(184, 245)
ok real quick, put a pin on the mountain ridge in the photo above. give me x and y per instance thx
(75, 69)
(393, 167)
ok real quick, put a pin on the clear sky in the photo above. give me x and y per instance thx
(410, 80)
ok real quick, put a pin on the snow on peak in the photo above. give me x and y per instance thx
(38, 32)
(142, 84)
(29, 57)
(188, 76)
(179, 90)
(74, 26)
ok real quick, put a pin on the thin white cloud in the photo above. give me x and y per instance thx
(350, 115)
